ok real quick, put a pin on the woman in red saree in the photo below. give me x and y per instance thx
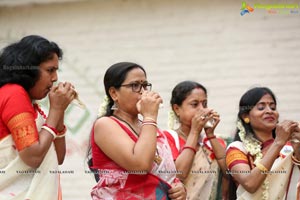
(130, 156)
(31, 144)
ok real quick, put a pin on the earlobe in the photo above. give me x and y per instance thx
(176, 109)
(246, 118)
(113, 93)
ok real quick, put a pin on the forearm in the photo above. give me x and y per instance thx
(55, 119)
(220, 154)
(186, 157)
(60, 147)
(35, 153)
(296, 149)
(271, 155)
(297, 155)
(184, 163)
(60, 142)
(39, 150)
(255, 179)
(145, 148)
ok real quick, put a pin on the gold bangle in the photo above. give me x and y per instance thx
(261, 167)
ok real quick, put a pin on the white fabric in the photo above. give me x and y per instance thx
(278, 178)
(176, 138)
(19, 181)
(202, 181)
(294, 182)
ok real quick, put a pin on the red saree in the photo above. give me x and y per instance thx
(117, 183)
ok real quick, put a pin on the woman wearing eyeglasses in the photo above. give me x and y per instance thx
(130, 156)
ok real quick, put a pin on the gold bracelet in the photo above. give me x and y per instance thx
(261, 167)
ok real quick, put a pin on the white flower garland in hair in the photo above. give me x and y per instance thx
(253, 146)
(103, 106)
(172, 118)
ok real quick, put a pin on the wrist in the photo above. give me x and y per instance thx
(56, 112)
(149, 117)
(279, 143)
(53, 119)
(195, 132)
(296, 155)
(210, 137)
(62, 131)
(295, 160)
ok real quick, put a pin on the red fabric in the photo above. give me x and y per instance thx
(23, 130)
(235, 156)
(172, 144)
(100, 160)
(147, 185)
(176, 152)
(14, 100)
(207, 144)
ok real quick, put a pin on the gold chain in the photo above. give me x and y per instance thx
(180, 132)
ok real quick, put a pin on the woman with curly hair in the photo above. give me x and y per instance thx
(31, 143)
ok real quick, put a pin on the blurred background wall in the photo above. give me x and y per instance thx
(175, 40)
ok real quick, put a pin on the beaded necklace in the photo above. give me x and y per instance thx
(36, 107)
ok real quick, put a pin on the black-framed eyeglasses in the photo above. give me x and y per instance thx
(137, 87)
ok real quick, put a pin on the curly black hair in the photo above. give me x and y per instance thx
(19, 62)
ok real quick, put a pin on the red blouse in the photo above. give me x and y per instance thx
(17, 116)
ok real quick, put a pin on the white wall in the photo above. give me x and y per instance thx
(205, 41)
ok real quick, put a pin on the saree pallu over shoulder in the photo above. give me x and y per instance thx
(278, 178)
(19, 181)
(202, 180)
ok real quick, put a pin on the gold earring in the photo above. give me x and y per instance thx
(246, 120)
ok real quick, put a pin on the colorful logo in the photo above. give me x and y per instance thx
(246, 8)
